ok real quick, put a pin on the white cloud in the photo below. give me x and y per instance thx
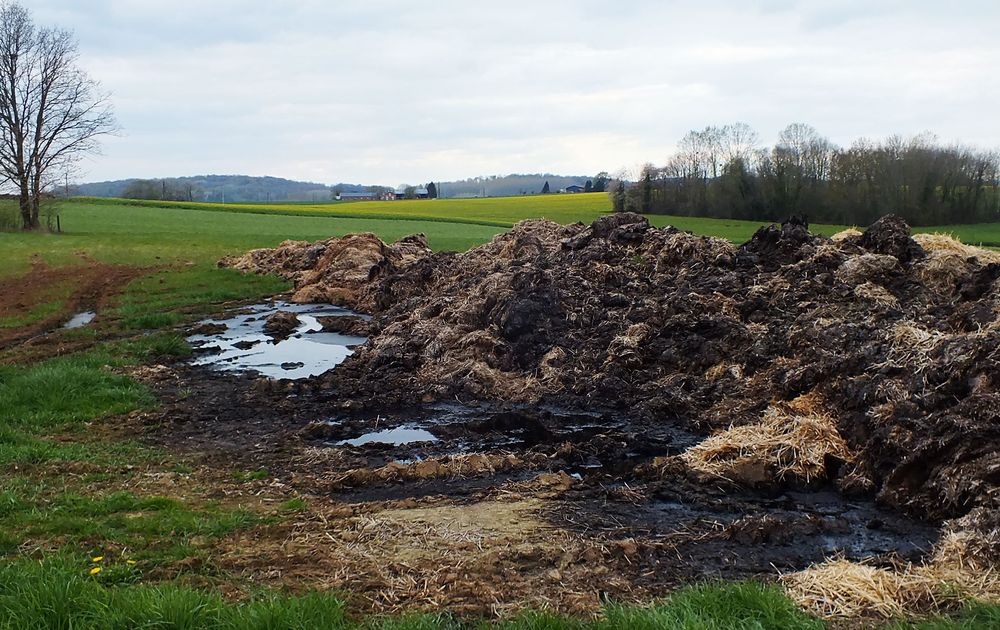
(390, 91)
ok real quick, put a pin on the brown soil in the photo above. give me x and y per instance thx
(515, 506)
(93, 287)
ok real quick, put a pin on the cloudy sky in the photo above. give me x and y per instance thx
(385, 91)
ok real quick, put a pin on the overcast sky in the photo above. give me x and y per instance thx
(384, 91)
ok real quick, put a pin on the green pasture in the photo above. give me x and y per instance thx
(499, 212)
(493, 211)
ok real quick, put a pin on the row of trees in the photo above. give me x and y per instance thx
(162, 190)
(723, 172)
(598, 184)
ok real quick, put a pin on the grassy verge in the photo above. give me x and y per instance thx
(59, 592)
(71, 491)
(169, 297)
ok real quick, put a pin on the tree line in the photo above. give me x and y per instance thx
(723, 172)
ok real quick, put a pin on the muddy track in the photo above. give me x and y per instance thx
(88, 286)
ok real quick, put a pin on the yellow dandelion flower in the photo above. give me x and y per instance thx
(95, 570)
(130, 562)
(97, 559)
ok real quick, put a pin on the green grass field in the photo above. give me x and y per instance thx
(502, 212)
(494, 211)
(69, 491)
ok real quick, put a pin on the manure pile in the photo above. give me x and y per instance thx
(869, 361)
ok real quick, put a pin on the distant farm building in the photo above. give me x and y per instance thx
(366, 196)
(385, 195)
(418, 193)
(572, 189)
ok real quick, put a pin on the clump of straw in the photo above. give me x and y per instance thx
(846, 234)
(792, 441)
(949, 260)
(839, 588)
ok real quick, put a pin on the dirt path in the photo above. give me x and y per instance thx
(90, 285)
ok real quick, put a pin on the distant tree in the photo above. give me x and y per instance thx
(589, 186)
(409, 192)
(618, 196)
(161, 190)
(432, 192)
(142, 189)
(51, 112)
(647, 188)
(601, 181)
(545, 188)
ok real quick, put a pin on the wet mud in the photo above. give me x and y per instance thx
(587, 470)
(276, 340)
(80, 292)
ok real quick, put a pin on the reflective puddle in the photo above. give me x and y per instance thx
(240, 345)
(400, 436)
(80, 320)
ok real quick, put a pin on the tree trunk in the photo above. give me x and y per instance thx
(36, 196)
(29, 219)
(36, 203)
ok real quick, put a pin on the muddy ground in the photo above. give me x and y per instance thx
(514, 505)
(88, 286)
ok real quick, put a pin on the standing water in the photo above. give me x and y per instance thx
(80, 320)
(242, 345)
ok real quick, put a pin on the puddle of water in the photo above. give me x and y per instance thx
(80, 320)
(606, 442)
(400, 436)
(243, 346)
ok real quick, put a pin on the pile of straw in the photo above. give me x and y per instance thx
(846, 234)
(949, 260)
(792, 441)
(839, 588)
(947, 244)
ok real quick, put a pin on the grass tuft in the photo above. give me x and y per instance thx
(749, 605)
(67, 390)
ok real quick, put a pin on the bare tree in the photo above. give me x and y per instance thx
(51, 112)
(740, 142)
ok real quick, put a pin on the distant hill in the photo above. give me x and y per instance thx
(229, 188)
(244, 188)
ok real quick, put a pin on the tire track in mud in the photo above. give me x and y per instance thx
(91, 285)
